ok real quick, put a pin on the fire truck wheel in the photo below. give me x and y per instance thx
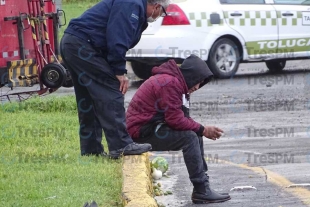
(53, 75)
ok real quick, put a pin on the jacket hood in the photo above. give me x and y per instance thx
(195, 70)
(171, 68)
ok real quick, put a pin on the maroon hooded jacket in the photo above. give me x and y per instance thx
(164, 96)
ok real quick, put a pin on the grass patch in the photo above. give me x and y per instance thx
(49, 103)
(40, 161)
(73, 9)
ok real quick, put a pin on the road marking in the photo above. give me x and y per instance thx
(302, 193)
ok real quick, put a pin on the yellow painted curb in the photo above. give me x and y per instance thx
(137, 188)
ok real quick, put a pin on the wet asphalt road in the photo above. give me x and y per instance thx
(266, 122)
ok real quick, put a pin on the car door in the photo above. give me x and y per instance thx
(294, 27)
(256, 21)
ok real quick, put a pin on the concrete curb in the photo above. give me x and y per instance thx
(137, 190)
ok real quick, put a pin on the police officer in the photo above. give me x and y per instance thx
(93, 49)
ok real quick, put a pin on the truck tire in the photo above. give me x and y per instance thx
(142, 70)
(224, 58)
(275, 66)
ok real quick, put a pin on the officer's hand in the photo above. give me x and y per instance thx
(124, 83)
(212, 132)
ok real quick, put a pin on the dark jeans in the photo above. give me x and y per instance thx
(167, 139)
(99, 100)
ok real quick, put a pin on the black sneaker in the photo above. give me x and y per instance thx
(131, 149)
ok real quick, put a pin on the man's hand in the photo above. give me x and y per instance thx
(124, 83)
(212, 132)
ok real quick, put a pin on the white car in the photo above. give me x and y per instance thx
(226, 33)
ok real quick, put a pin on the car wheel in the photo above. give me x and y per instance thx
(275, 66)
(224, 58)
(142, 70)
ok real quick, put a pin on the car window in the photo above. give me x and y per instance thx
(292, 2)
(242, 1)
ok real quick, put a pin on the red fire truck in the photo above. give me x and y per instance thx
(29, 45)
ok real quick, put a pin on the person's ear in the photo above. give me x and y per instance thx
(157, 7)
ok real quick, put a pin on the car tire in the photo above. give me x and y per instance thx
(275, 66)
(226, 51)
(142, 70)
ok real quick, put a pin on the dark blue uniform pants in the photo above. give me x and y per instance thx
(99, 100)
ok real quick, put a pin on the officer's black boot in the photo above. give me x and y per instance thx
(202, 194)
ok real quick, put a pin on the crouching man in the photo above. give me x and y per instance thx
(159, 114)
